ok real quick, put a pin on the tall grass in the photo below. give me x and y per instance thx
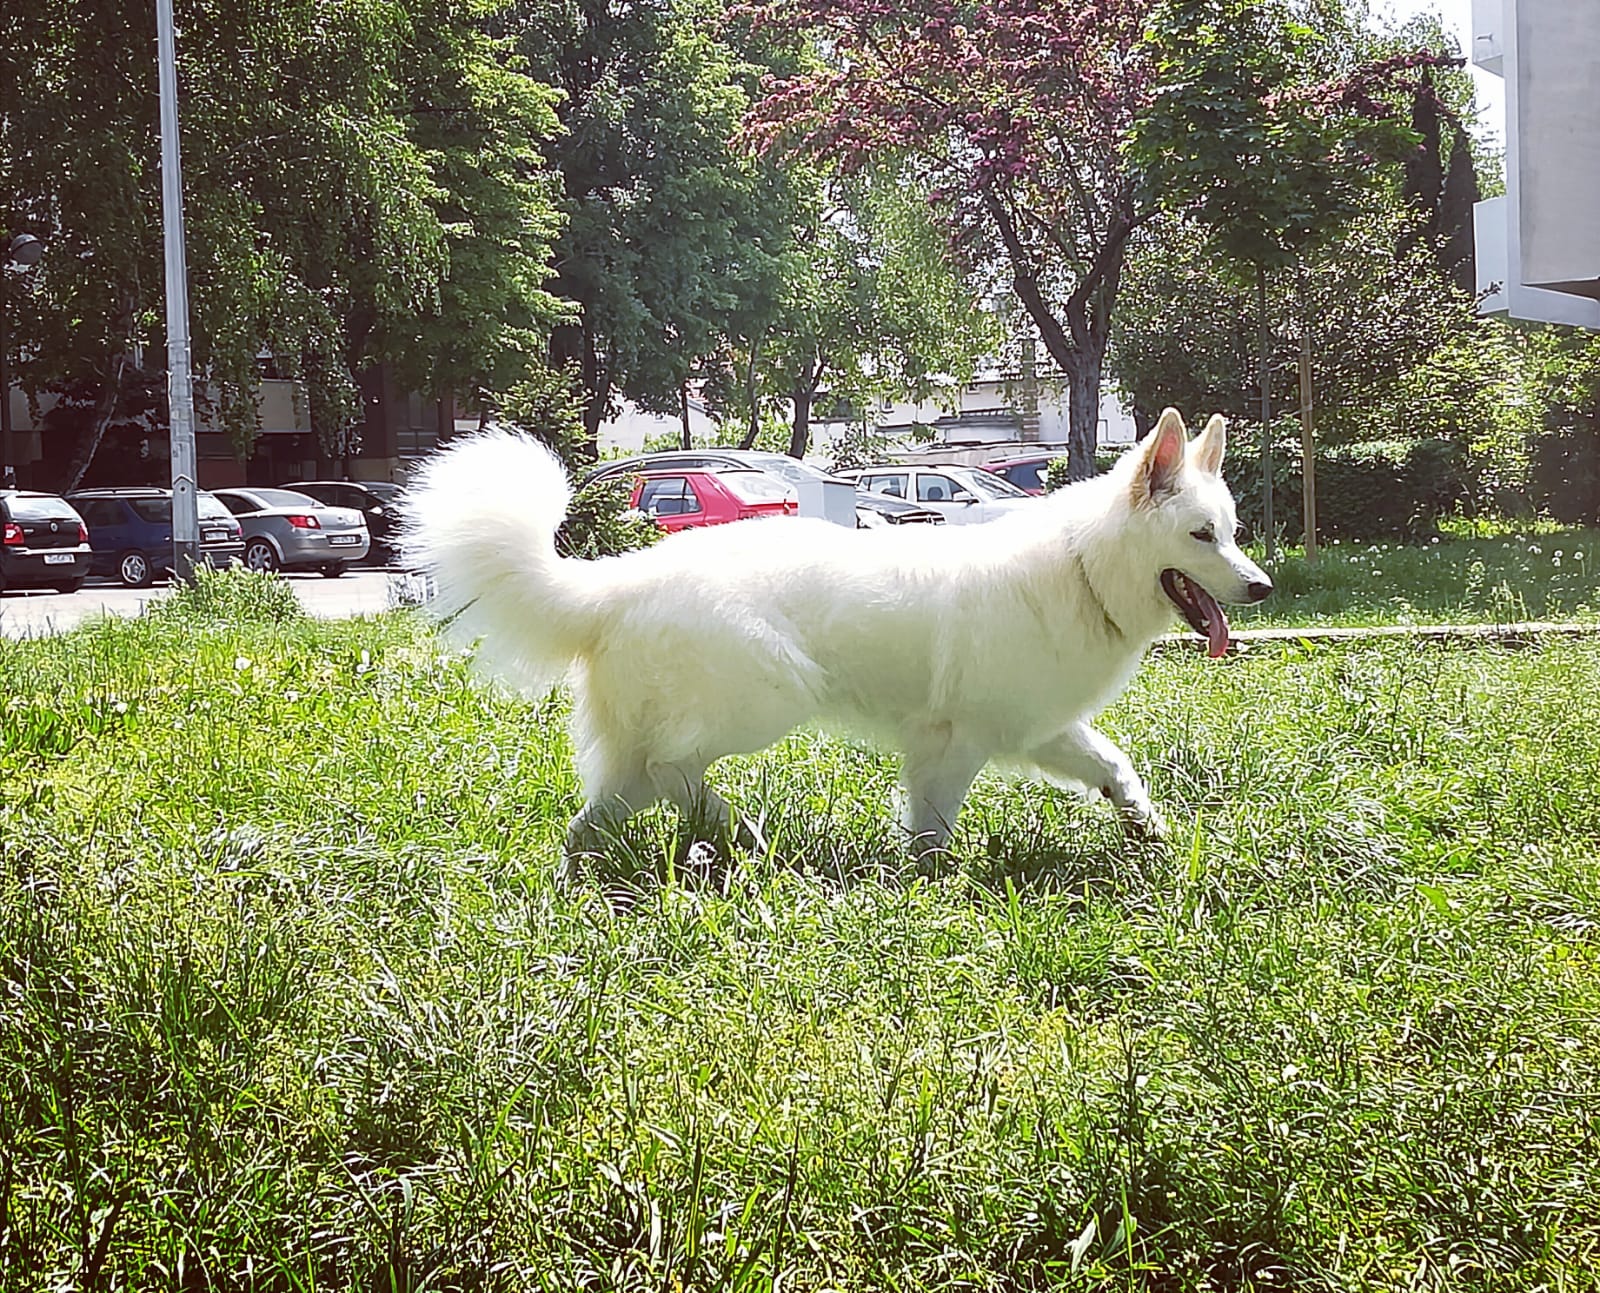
(294, 994)
(1503, 578)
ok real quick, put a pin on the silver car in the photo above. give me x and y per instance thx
(285, 530)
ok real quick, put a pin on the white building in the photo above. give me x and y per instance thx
(1538, 247)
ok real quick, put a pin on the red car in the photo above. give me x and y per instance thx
(681, 499)
(1026, 474)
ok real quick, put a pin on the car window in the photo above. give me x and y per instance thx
(22, 508)
(891, 483)
(101, 513)
(668, 496)
(755, 486)
(1025, 475)
(157, 511)
(320, 492)
(210, 508)
(987, 485)
(239, 504)
(934, 488)
(385, 492)
(284, 498)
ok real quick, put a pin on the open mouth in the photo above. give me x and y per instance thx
(1199, 607)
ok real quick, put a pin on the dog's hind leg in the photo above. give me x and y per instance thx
(1082, 756)
(939, 770)
(702, 808)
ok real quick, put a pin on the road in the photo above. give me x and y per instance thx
(33, 614)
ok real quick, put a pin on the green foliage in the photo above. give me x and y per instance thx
(234, 596)
(1058, 474)
(548, 405)
(362, 185)
(1365, 490)
(296, 995)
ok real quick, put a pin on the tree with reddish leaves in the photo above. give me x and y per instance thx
(1017, 111)
(1021, 113)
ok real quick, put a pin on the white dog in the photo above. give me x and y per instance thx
(956, 645)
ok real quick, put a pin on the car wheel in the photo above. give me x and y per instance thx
(259, 555)
(69, 585)
(135, 570)
(333, 570)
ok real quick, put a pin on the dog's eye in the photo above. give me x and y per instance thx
(1207, 535)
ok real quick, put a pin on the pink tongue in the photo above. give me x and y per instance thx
(1216, 622)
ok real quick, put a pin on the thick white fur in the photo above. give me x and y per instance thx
(956, 645)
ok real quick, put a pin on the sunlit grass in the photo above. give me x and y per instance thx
(294, 993)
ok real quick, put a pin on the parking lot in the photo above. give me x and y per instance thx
(32, 614)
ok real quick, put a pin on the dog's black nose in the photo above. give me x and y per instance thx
(1259, 591)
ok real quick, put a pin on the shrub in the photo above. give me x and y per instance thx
(1370, 490)
(599, 522)
(231, 596)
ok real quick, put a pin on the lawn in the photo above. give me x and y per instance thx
(295, 995)
(1553, 574)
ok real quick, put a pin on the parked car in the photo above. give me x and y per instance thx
(377, 500)
(46, 544)
(962, 495)
(874, 511)
(681, 500)
(1027, 474)
(287, 530)
(816, 492)
(130, 530)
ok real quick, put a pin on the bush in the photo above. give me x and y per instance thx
(232, 596)
(1566, 473)
(599, 523)
(1055, 475)
(1371, 490)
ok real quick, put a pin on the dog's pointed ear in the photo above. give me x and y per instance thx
(1209, 446)
(1160, 459)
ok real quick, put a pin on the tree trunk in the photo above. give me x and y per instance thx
(572, 345)
(1083, 414)
(805, 390)
(1308, 448)
(754, 427)
(683, 415)
(1264, 371)
(105, 409)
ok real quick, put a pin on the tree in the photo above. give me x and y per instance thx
(871, 304)
(361, 187)
(1248, 137)
(1016, 113)
(657, 202)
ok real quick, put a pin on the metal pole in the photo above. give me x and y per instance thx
(180, 387)
(1264, 362)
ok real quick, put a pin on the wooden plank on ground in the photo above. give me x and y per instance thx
(1520, 633)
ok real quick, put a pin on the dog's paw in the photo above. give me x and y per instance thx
(1148, 825)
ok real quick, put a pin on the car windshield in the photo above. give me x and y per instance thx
(989, 485)
(210, 509)
(755, 486)
(785, 468)
(281, 498)
(39, 508)
(383, 489)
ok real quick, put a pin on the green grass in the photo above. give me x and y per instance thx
(1544, 575)
(295, 995)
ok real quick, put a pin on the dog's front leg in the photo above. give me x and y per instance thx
(939, 770)
(1082, 756)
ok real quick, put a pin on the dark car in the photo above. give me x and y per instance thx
(46, 543)
(377, 500)
(130, 530)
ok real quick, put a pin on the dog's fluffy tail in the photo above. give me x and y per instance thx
(481, 519)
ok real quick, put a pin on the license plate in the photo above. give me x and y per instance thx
(342, 540)
(58, 558)
(215, 536)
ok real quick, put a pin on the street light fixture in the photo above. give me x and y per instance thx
(22, 252)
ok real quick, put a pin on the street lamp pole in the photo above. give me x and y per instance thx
(180, 385)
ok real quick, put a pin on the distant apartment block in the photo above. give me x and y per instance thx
(1538, 247)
